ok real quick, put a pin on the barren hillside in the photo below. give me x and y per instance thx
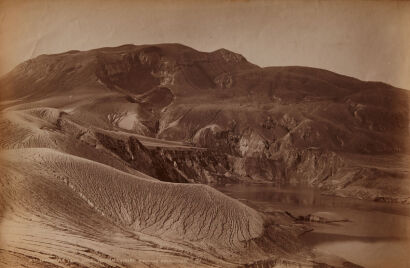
(259, 124)
(112, 149)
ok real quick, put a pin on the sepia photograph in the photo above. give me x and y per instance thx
(214, 133)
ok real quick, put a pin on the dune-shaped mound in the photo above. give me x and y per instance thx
(146, 204)
(190, 217)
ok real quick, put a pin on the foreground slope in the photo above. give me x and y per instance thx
(56, 193)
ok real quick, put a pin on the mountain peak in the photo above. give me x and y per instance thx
(230, 56)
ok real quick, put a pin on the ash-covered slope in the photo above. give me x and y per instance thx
(263, 124)
(69, 200)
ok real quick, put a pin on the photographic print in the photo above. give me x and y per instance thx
(204, 133)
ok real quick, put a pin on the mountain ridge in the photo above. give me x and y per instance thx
(220, 101)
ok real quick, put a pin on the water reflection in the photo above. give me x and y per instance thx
(376, 235)
(306, 197)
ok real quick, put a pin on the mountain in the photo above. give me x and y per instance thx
(121, 142)
(261, 124)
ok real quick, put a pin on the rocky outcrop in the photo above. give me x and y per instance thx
(224, 80)
(174, 165)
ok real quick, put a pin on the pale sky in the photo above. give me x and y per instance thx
(369, 40)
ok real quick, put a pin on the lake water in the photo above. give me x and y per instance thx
(376, 235)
